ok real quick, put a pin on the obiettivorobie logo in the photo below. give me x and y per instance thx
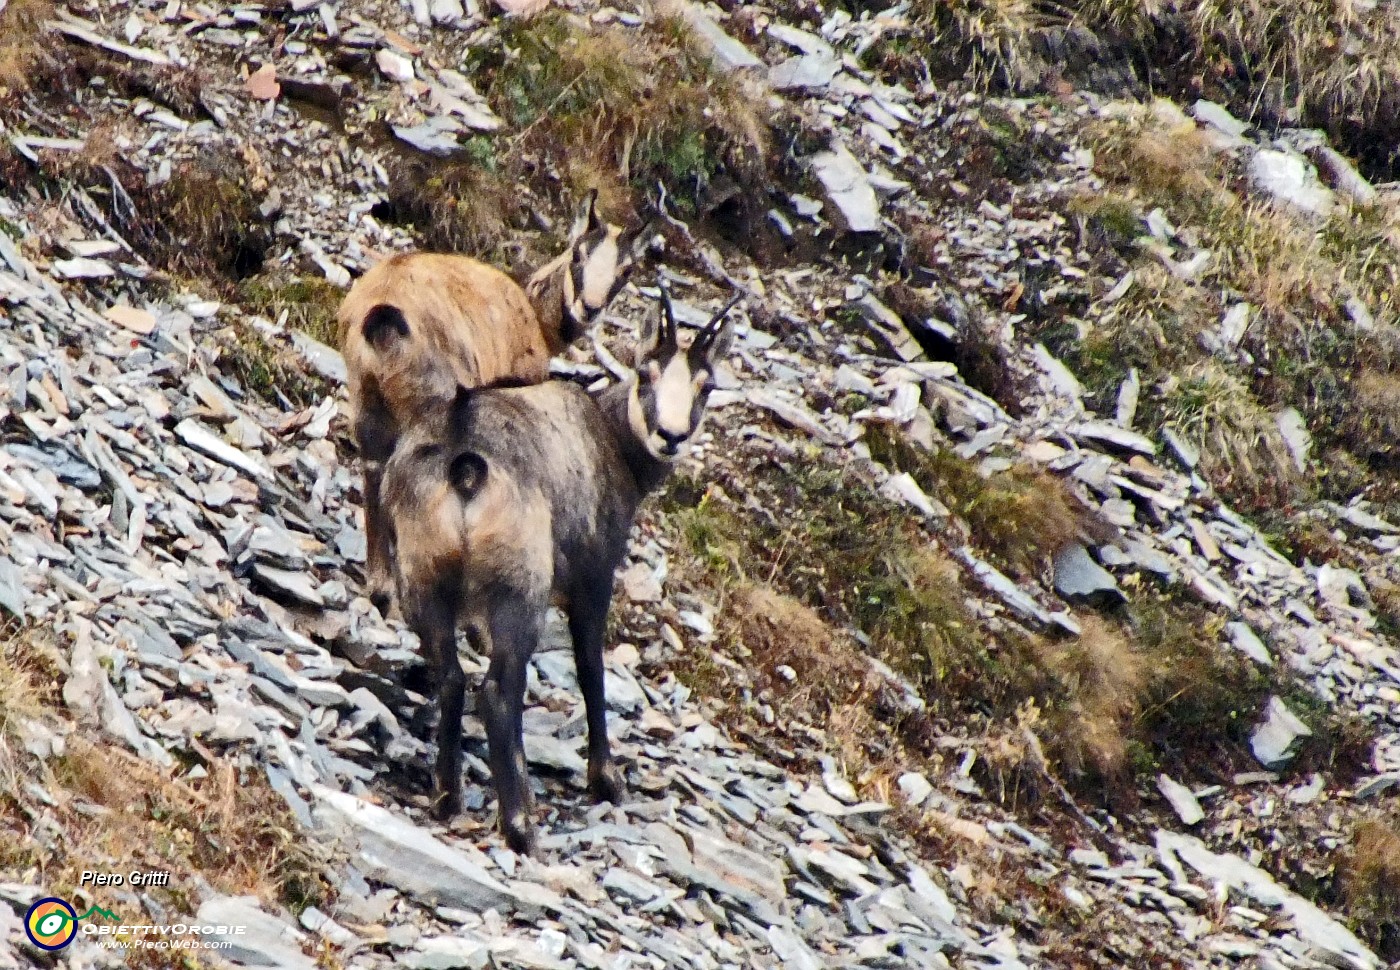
(52, 924)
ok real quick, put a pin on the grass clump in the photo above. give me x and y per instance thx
(21, 47)
(458, 206)
(206, 218)
(309, 302)
(1300, 347)
(269, 369)
(636, 105)
(855, 559)
(1020, 517)
(1310, 64)
(1242, 450)
(1370, 883)
(1149, 689)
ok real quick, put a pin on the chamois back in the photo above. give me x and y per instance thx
(418, 325)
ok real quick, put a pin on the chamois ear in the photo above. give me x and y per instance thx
(384, 325)
(586, 219)
(467, 473)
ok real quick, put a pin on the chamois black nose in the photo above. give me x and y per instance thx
(672, 440)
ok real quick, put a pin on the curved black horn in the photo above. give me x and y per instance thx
(707, 336)
(668, 314)
(641, 242)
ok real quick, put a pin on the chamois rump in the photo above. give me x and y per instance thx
(520, 496)
(418, 325)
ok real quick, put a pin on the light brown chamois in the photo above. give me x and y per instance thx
(418, 325)
(519, 497)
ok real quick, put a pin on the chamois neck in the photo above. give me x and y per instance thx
(547, 292)
(647, 470)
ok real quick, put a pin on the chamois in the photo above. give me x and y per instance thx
(519, 496)
(418, 325)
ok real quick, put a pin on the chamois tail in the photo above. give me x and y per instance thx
(383, 325)
(467, 474)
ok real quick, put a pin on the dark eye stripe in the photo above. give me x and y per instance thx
(575, 282)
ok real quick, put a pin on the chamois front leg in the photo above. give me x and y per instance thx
(588, 620)
(515, 626)
(434, 620)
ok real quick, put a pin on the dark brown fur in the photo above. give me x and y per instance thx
(518, 497)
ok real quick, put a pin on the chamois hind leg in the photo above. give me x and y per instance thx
(433, 617)
(379, 548)
(515, 624)
(376, 433)
(588, 620)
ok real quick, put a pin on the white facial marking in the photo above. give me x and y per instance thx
(675, 393)
(600, 271)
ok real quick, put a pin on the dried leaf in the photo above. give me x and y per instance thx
(262, 84)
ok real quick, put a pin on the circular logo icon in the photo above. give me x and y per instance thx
(51, 924)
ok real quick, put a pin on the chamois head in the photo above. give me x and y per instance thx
(580, 282)
(667, 402)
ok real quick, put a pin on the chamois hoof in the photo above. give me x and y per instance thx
(606, 785)
(520, 836)
(382, 596)
(447, 806)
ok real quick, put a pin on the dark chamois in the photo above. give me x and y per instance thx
(526, 495)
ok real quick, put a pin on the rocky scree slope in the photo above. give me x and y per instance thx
(183, 550)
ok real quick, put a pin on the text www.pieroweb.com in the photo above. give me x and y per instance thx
(110, 943)
(180, 936)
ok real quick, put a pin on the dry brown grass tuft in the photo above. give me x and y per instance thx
(21, 46)
(1021, 516)
(621, 108)
(1103, 677)
(834, 687)
(1370, 883)
(103, 808)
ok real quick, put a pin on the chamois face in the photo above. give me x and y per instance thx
(590, 272)
(667, 405)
